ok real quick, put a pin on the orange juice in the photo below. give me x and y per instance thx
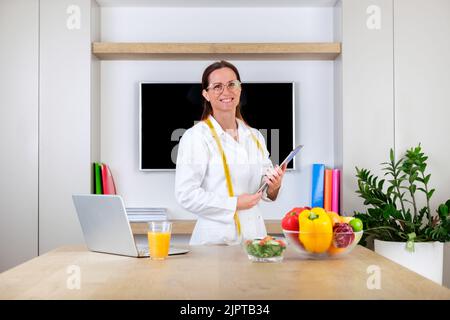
(158, 244)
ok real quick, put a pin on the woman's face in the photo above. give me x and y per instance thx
(228, 99)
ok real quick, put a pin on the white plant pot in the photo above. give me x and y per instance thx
(426, 260)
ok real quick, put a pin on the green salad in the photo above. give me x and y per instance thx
(265, 248)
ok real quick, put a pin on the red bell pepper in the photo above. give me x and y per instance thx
(290, 220)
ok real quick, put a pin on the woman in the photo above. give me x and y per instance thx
(221, 164)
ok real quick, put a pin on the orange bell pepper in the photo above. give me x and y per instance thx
(316, 230)
(335, 218)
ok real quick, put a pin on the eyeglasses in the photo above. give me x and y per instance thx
(218, 88)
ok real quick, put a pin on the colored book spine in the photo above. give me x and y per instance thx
(94, 180)
(317, 185)
(335, 191)
(98, 179)
(328, 189)
(108, 181)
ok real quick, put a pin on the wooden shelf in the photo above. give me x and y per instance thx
(187, 226)
(145, 50)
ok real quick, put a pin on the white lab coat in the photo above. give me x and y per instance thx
(200, 185)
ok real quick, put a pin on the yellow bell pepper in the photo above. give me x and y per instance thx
(316, 230)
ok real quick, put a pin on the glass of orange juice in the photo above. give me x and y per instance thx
(159, 239)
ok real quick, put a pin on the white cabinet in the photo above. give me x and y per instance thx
(422, 96)
(391, 83)
(18, 131)
(364, 118)
(422, 86)
(49, 122)
(67, 121)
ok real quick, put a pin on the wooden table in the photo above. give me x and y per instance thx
(211, 272)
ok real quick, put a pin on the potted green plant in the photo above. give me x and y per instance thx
(402, 230)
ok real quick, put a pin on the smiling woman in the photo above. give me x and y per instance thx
(221, 163)
(213, 90)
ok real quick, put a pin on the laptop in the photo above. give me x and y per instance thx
(106, 228)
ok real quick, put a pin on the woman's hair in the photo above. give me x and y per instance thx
(207, 108)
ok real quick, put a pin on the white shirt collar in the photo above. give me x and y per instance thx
(242, 127)
(216, 125)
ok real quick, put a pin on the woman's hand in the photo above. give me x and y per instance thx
(247, 201)
(273, 178)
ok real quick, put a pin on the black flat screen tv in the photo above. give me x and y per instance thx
(167, 110)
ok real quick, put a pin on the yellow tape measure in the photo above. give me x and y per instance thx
(226, 169)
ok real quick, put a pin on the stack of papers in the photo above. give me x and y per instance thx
(146, 214)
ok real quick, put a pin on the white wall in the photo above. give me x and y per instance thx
(422, 87)
(206, 24)
(420, 76)
(367, 94)
(65, 121)
(18, 131)
(119, 88)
